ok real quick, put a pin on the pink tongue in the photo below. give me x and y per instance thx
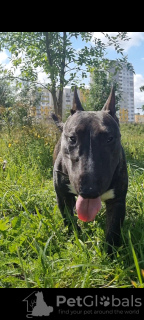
(87, 208)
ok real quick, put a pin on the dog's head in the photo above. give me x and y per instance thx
(91, 147)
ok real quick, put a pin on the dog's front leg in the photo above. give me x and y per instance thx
(66, 204)
(115, 213)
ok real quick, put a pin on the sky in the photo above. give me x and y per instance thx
(134, 49)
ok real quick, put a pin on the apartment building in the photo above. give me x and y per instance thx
(125, 80)
(45, 107)
(67, 101)
(139, 118)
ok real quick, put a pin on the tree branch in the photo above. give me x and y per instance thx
(24, 79)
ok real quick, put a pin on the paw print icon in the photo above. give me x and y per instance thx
(105, 301)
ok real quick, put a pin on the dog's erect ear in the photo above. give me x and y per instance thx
(76, 103)
(110, 105)
(58, 123)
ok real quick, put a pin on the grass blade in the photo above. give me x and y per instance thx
(135, 260)
(21, 262)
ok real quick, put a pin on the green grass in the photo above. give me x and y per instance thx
(35, 248)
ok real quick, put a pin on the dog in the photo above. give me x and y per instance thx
(41, 308)
(89, 162)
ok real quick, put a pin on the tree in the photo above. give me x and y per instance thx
(29, 95)
(54, 54)
(100, 86)
(7, 94)
(142, 89)
(15, 102)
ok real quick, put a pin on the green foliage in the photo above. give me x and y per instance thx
(36, 249)
(15, 104)
(7, 94)
(57, 55)
(133, 142)
(16, 116)
(29, 95)
(100, 87)
(142, 88)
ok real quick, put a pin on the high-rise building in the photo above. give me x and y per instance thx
(45, 106)
(67, 101)
(125, 80)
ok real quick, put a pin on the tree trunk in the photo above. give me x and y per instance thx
(60, 102)
(55, 101)
(62, 74)
(52, 77)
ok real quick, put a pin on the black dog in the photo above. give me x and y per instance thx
(89, 162)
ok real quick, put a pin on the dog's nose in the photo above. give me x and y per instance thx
(88, 193)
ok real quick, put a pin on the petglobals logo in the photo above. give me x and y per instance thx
(98, 304)
(96, 301)
(37, 304)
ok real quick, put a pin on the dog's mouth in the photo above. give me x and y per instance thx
(87, 209)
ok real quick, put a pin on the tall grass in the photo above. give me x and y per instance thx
(35, 247)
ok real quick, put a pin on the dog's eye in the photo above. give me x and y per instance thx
(72, 139)
(109, 139)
